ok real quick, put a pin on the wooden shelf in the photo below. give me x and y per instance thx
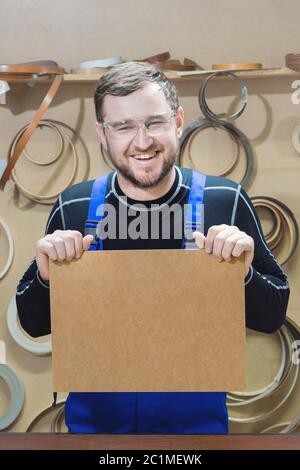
(183, 76)
(260, 73)
(198, 75)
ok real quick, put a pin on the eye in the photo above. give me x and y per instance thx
(154, 123)
(124, 127)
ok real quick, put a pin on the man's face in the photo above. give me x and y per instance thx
(145, 159)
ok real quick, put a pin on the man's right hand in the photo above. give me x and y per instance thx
(61, 245)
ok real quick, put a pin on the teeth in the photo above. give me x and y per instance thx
(145, 156)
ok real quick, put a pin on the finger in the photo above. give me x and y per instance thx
(229, 245)
(46, 248)
(77, 243)
(58, 244)
(213, 231)
(45, 251)
(244, 244)
(86, 241)
(199, 239)
(42, 262)
(69, 242)
(220, 240)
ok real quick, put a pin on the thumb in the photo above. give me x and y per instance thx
(199, 239)
(86, 241)
(42, 261)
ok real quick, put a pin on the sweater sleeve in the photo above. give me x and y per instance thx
(266, 285)
(33, 296)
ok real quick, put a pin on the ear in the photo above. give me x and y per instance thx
(101, 134)
(179, 121)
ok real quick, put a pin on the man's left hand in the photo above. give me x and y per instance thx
(225, 241)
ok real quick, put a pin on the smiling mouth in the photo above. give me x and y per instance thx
(145, 157)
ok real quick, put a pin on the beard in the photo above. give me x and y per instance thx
(149, 182)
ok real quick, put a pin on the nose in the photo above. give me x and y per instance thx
(143, 139)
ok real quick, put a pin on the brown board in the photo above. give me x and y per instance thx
(148, 320)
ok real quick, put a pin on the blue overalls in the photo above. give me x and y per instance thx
(147, 412)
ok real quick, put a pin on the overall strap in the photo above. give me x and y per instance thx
(194, 215)
(96, 211)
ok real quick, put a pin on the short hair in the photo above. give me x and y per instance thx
(127, 77)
